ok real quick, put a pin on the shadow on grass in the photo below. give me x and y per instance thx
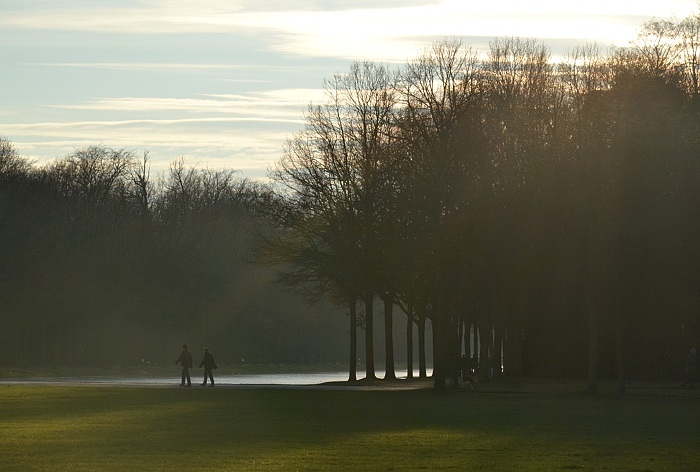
(266, 429)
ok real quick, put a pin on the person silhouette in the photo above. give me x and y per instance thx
(208, 363)
(185, 360)
(691, 369)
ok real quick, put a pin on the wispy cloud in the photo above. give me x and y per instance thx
(386, 31)
(282, 105)
(148, 66)
(243, 131)
(96, 83)
(246, 145)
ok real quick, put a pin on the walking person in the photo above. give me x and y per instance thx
(185, 360)
(208, 363)
(691, 369)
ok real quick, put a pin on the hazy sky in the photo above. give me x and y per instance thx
(223, 82)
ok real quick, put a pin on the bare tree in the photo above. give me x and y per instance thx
(658, 47)
(143, 187)
(92, 179)
(332, 184)
(439, 92)
(12, 165)
(689, 34)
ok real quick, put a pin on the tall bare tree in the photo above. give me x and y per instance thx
(438, 90)
(332, 183)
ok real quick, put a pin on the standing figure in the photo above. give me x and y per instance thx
(691, 369)
(185, 361)
(208, 363)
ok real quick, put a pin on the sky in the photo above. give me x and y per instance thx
(224, 83)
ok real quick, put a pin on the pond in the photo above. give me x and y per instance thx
(306, 378)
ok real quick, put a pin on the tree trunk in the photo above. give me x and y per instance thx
(438, 351)
(389, 336)
(422, 367)
(496, 353)
(369, 336)
(409, 343)
(441, 337)
(353, 341)
(620, 351)
(592, 348)
(467, 339)
(513, 350)
(454, 347)
(477, 346)
(484, 344)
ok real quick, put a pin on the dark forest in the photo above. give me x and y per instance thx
(103, 265)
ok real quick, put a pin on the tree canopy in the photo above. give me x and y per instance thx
(516, 201)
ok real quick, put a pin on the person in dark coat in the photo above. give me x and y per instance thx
(185, 360)
(691, 369)
(208, 363)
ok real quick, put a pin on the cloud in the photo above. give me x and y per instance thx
(247, 129)
(241, 131)
(246, 145)
(148, 66)
(282, 105)
(391, 30)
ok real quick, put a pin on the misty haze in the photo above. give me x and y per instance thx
(480, 248)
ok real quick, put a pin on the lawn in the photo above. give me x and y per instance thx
(80, 428)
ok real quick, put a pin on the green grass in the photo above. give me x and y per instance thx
(129, 428)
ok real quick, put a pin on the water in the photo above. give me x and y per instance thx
(308, 378)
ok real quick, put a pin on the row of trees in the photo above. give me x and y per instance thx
(541, 215)
(102, 264)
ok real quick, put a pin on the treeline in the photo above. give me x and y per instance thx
(102, 264)
(538, 214)
(541, 215)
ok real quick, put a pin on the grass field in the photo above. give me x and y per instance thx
(81, 428)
